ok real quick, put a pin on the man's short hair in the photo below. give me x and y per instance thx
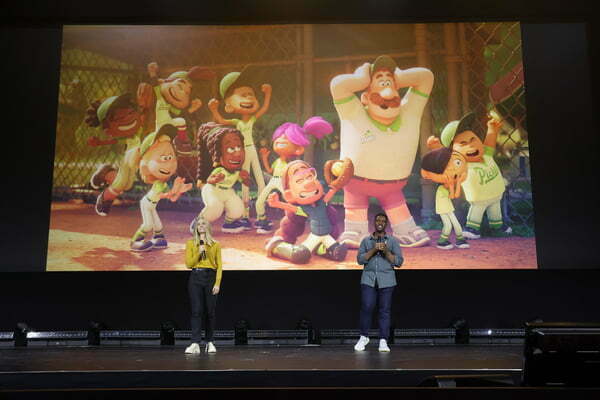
(382, 214)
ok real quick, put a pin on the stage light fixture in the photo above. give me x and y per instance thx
(314, 336)
(93, 335)
(461, 331)
(241, 332)
(20, 334)
(167, 333)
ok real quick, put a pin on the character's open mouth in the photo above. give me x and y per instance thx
(473, 153)
(234, 162)
(164, 171)
(123, 128)
(308, 194)
(247, 105)
(173, 95)
(384, 107)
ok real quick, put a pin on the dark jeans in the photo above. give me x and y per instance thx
(369, 296)
(203, 302)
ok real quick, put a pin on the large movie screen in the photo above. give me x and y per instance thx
(286, 141)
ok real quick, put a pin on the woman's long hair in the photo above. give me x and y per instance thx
(209, 238)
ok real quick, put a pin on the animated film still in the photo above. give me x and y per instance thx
(286, 140)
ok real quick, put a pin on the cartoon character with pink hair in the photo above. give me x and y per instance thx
(289, 142)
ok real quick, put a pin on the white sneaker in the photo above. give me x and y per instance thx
(350, 239)
(415, 238)
(210, 348)
(193, 349)
(362, 342)
(383, 346)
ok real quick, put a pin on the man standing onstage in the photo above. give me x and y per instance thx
(379, 132)
(379, 253)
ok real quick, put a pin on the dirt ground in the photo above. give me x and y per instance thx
(80, 240)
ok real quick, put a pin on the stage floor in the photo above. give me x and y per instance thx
(249, 366)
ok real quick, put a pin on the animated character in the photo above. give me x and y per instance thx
(306, 197)
(238, 93)
(380, 134)
(157, 165)
(222, 154)
(289, 142)
(484, 185)
(449, 169)
(173, 103)
(120, 121)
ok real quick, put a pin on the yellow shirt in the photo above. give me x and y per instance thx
(443, 204)
(279, 167)
(213, 259)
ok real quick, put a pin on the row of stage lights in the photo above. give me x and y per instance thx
(97, 332)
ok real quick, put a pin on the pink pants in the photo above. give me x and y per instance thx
(389, 194)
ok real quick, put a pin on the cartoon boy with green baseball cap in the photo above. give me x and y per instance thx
(174, 103)
(121, 121)
(157, 165)
(484, 185)
(237, 89)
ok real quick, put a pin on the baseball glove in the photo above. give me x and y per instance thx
(347, 172)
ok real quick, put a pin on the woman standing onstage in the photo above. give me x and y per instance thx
(203, 256)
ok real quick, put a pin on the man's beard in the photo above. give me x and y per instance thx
(383, 103)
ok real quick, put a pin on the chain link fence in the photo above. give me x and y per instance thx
(477, 67)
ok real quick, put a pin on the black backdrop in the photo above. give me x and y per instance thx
(560, 53)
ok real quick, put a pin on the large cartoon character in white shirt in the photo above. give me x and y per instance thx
(380, 134)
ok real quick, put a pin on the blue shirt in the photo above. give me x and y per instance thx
(378, 270)
(317, 215)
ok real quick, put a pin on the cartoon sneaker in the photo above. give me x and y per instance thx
(462, 244)
(444, 244)
(416, 238)
(272, 243)
(141, 245)
(98, 179)
(246, 224)
(232, 227)
(159, 241)
(503, 231)
(263, 226)
(337, 252)
(471, 233)
(351, 239)
(102, 206)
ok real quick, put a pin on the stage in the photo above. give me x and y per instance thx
(259, 367)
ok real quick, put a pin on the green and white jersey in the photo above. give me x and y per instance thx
(484, 179)
(230, 177)
(246, 129)
(378, 151)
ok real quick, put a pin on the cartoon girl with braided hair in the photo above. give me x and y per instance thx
(120, 120)
(289, 142)
(221, 156)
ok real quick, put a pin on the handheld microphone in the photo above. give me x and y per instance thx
(380, 239)
(202, 249)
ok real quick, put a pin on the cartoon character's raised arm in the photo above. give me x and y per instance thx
(267, 90)
(273, 201)
(345, 85)
(419, 78)
(493, 128)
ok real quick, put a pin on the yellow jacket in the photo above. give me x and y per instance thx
(213, 252)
